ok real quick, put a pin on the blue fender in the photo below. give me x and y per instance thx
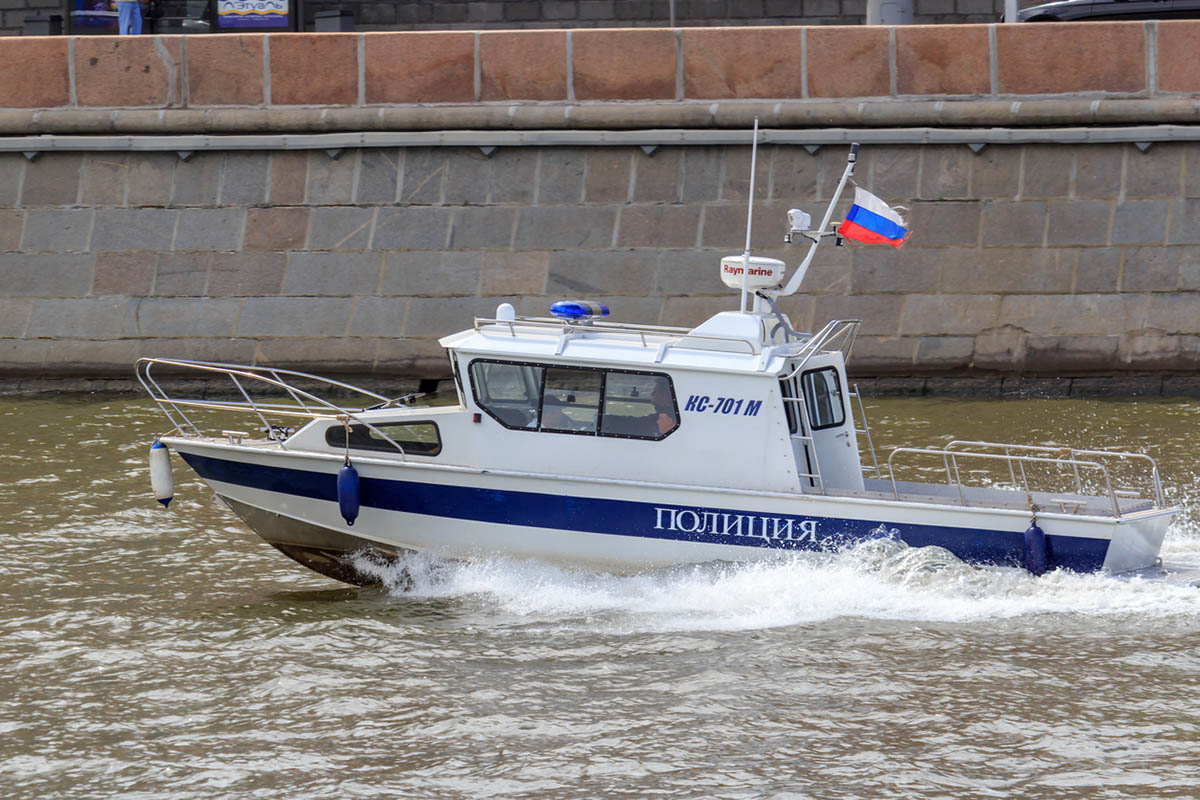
(347, 491)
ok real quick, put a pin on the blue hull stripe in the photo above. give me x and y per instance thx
(708, 524)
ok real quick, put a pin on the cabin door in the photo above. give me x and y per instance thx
(830, 447)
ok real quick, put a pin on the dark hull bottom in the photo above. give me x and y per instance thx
(330, 553)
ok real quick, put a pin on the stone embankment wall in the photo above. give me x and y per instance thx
(1032, 259)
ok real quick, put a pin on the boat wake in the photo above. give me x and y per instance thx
(882, 579)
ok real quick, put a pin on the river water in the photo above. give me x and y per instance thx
(147, 653)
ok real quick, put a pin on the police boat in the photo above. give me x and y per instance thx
(623, 447)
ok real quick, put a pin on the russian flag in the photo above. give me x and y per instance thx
(872, 221)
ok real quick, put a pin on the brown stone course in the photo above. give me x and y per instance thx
(34, 73)
(523, 65)
(942, 59)
(848, 62)
(316, 69)
(721, 63)
(1178, 44)
(225, 70)
(623, 64)
(1088, 57)
(435, 67)
(276, 228)
(128, 70)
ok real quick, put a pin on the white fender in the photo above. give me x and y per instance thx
(161, 479)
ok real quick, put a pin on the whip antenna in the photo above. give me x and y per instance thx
(749, 212)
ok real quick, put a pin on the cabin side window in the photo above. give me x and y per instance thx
(579, 400)
(571, 400)
(638, 405)
(419, 438)
(823, 396)
(509, 392)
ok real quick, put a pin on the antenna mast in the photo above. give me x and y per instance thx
(749, 213)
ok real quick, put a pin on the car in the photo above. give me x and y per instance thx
(1095, 10)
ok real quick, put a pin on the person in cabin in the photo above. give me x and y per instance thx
(664, 409)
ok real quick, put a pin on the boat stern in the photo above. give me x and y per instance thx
(1137, 540)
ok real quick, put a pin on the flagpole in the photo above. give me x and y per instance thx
(749, 213)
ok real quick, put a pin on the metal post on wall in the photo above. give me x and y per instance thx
(1010, 10)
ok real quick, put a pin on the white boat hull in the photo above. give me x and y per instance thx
(290, 500)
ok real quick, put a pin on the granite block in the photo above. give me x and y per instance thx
(1098, 270)
(523, 65)
(57, 230)
(424, 172)
(996, 172)
(1177, 45)
(379, 175)
(1151, 269)
(1140, 221)
(735, 181)
(468, 176)
(332, 274)
(946, 172)
(942, 59)
(172, 317)
(658, 226)
(150, 179)
(77, 318)
(561, 175)
(565, 227)
(14, 316)
(12, 226)
(880, 313)
(433, 67)
(905, 270)
(120, 229)
(938, 224)
(104, 178)
(599, 272)
(604, 66)
(34, 73)
(431, 273)
(608, 171)
(289, 176)
(933, 314)
(378, 316)
(686, 272)
(1185, 222)
(225, 70)
(483, 227)
(1047, 171)
(183, 274)
(514, 175)
(12, 171)
(1008, 223)
(847, 62)
(702, 168)
(331, 180)
(52, 180)
(514, 273)
(210, 229)
(340, 228)
(294, 83)
(749, 63)
(794, 174)
(1080, 222)
(1054, 59)
(245, 179)
(294, 316)
(198, 180)
(1098, 170)
(1158, 172)
(411, 228)
(276, 228)
(125, 71)
(246, 274)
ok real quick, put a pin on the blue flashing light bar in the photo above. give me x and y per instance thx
(578, 309)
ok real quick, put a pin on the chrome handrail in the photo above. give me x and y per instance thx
(847, 329)
(320, 407)
(954, 477)
(1074, 452)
